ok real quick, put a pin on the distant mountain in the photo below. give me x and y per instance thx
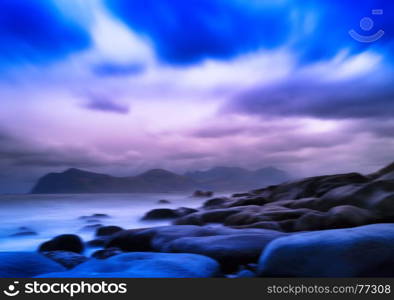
(74, 181)
(234, 178)
(79, 181)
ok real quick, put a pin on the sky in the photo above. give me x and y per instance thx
(122, 86)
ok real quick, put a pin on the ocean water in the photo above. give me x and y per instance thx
(51, 215)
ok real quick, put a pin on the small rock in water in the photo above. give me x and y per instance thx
(94, 216)
(163, 201)
(106, 253)
(66, 258)
(65, 242)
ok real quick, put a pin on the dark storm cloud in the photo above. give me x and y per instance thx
(115, 69)
(323, 100)
(186, 32)
(36, 32)
(105, 104)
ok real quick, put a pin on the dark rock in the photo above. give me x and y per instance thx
(230, 250)
(98, 242)
(166, 213)
(106, 253)
(108, 230)
(365, 251)
(67, 259)
(26, 265)
(160, 214)
(199, 193)
(65, 242)
(94, 216)
(163, 201)
(215, 203)
(239, 195)
(144, 265)
(229, 246)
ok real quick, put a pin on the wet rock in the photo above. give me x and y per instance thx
(65, 242)
(229, 246)
(365, 251)
(106, 253)
(163, 201)
(26, 265)
(144, 265)
(166, 213)
(160, 214)
(67, 259)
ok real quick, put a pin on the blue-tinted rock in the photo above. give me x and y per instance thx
(145, 265)
(366, 251)
(26, 265)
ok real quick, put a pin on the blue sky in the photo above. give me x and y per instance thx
(121, 86)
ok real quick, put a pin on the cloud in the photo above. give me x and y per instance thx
(36, 32)
(115, 69)
(311, 97)
(186, 32)
(105, 104)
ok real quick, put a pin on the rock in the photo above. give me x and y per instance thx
(144, 265)
(98, 242)
(238, 195)
(67, 259)
(229, 250)
(166, 213)
(199, 193)
(106, 253)
(65, 242)
(163, 201)
(160, 214)
(26, 265)
(207, 216)
(94, 216)
(108, 230)
(245, 274)
(366, 251)
(215, 203)
(229, 246)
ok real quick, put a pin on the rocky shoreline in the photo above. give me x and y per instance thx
(326, 226)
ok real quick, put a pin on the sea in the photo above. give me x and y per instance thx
(52, 215)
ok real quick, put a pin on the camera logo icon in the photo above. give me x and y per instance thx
(367, 24)
(12, 291)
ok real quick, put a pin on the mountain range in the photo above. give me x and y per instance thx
(75, 181)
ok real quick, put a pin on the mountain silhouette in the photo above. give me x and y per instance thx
(75, 181)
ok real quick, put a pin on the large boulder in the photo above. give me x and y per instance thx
(144, 265)
(230, 250)
(26, 265)
(366, 251)
(229, 246)
(167, 213)
(64, 242)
